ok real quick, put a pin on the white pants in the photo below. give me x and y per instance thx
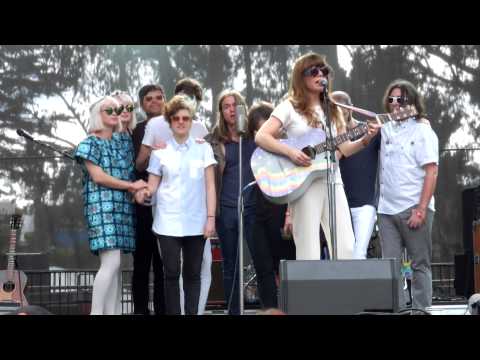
(205, 280)
(107, 287)
(311, 210)
(363, 219)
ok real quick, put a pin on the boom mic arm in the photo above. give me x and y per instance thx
(27, 136)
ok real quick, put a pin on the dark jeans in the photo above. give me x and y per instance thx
(227, 230)
(146, 251)
(267, 250)
(192, 248)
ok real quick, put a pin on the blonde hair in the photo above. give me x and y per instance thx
(297, 92)
(221, 129)
(123, 96)
(95, 120)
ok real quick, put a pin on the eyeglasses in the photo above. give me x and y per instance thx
(111, 110)
(183, 118)
(315, 70)
(150, 98)
(129, 108)
(397, 99)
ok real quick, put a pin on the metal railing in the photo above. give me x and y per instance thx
(69, 292)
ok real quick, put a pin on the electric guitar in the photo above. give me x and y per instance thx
(12, 282)
(282, 181)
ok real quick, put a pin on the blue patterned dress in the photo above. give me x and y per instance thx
(109, 212)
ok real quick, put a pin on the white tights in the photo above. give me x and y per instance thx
(107, 287)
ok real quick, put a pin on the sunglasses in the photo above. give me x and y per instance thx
(183, 118)
(397, 99)
(150, 98)
(316, 70)
(111, 110)
(129, 108)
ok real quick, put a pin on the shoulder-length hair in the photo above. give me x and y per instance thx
(258, 112)
(126, 97)
(95, 120)
(408, 91)
(221, 129)
(297, 92)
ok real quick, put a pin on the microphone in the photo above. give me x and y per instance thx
(241, 113)
(25, 134)
(324, 83)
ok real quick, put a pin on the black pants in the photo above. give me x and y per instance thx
(192, 248)
(267, 250)
(146, 251)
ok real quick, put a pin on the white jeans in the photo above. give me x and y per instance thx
(311, 210)
(363, 219)
(205, 280)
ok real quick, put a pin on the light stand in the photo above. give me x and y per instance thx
(331, 160)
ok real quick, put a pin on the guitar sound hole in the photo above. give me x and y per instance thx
(309, 151)
(9, 286)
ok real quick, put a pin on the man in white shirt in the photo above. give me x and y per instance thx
(408, 176)
(157, 133)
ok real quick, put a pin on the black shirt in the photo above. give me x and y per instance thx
(359, 174)
(137, 138)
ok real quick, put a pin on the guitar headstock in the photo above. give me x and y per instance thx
(404, 113)
(15, 222)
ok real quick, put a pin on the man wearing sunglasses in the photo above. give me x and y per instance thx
(158, 131)
(408, 176)
(152, 102)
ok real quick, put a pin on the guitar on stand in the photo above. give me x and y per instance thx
(12, 282)
(282, 181)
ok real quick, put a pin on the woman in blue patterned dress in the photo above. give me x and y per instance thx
(107, 191)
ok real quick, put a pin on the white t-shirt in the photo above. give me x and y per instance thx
(406, 147)
(180, 200)
(296, 125)
(158, 130)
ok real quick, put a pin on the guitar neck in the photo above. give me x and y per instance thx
(11, 250)
(357, 131)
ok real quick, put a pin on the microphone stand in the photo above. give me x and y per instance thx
(240, 225)
(29, 137)
(331, 159)
(240, 243)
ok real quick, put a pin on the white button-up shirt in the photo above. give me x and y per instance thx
(158, 129)
(406, 147)
(180, 200)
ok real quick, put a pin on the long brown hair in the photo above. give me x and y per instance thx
(221, 129)
(297, 92)
(409, 91)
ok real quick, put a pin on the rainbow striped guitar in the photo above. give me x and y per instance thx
(282, 181)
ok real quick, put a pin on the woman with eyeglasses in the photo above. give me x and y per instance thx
(128, 119)
(181, 178)
(108, 188)
(302, 111)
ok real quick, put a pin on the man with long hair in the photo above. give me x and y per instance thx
(408, 176)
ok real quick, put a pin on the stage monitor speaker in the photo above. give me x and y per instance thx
(339, 287)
